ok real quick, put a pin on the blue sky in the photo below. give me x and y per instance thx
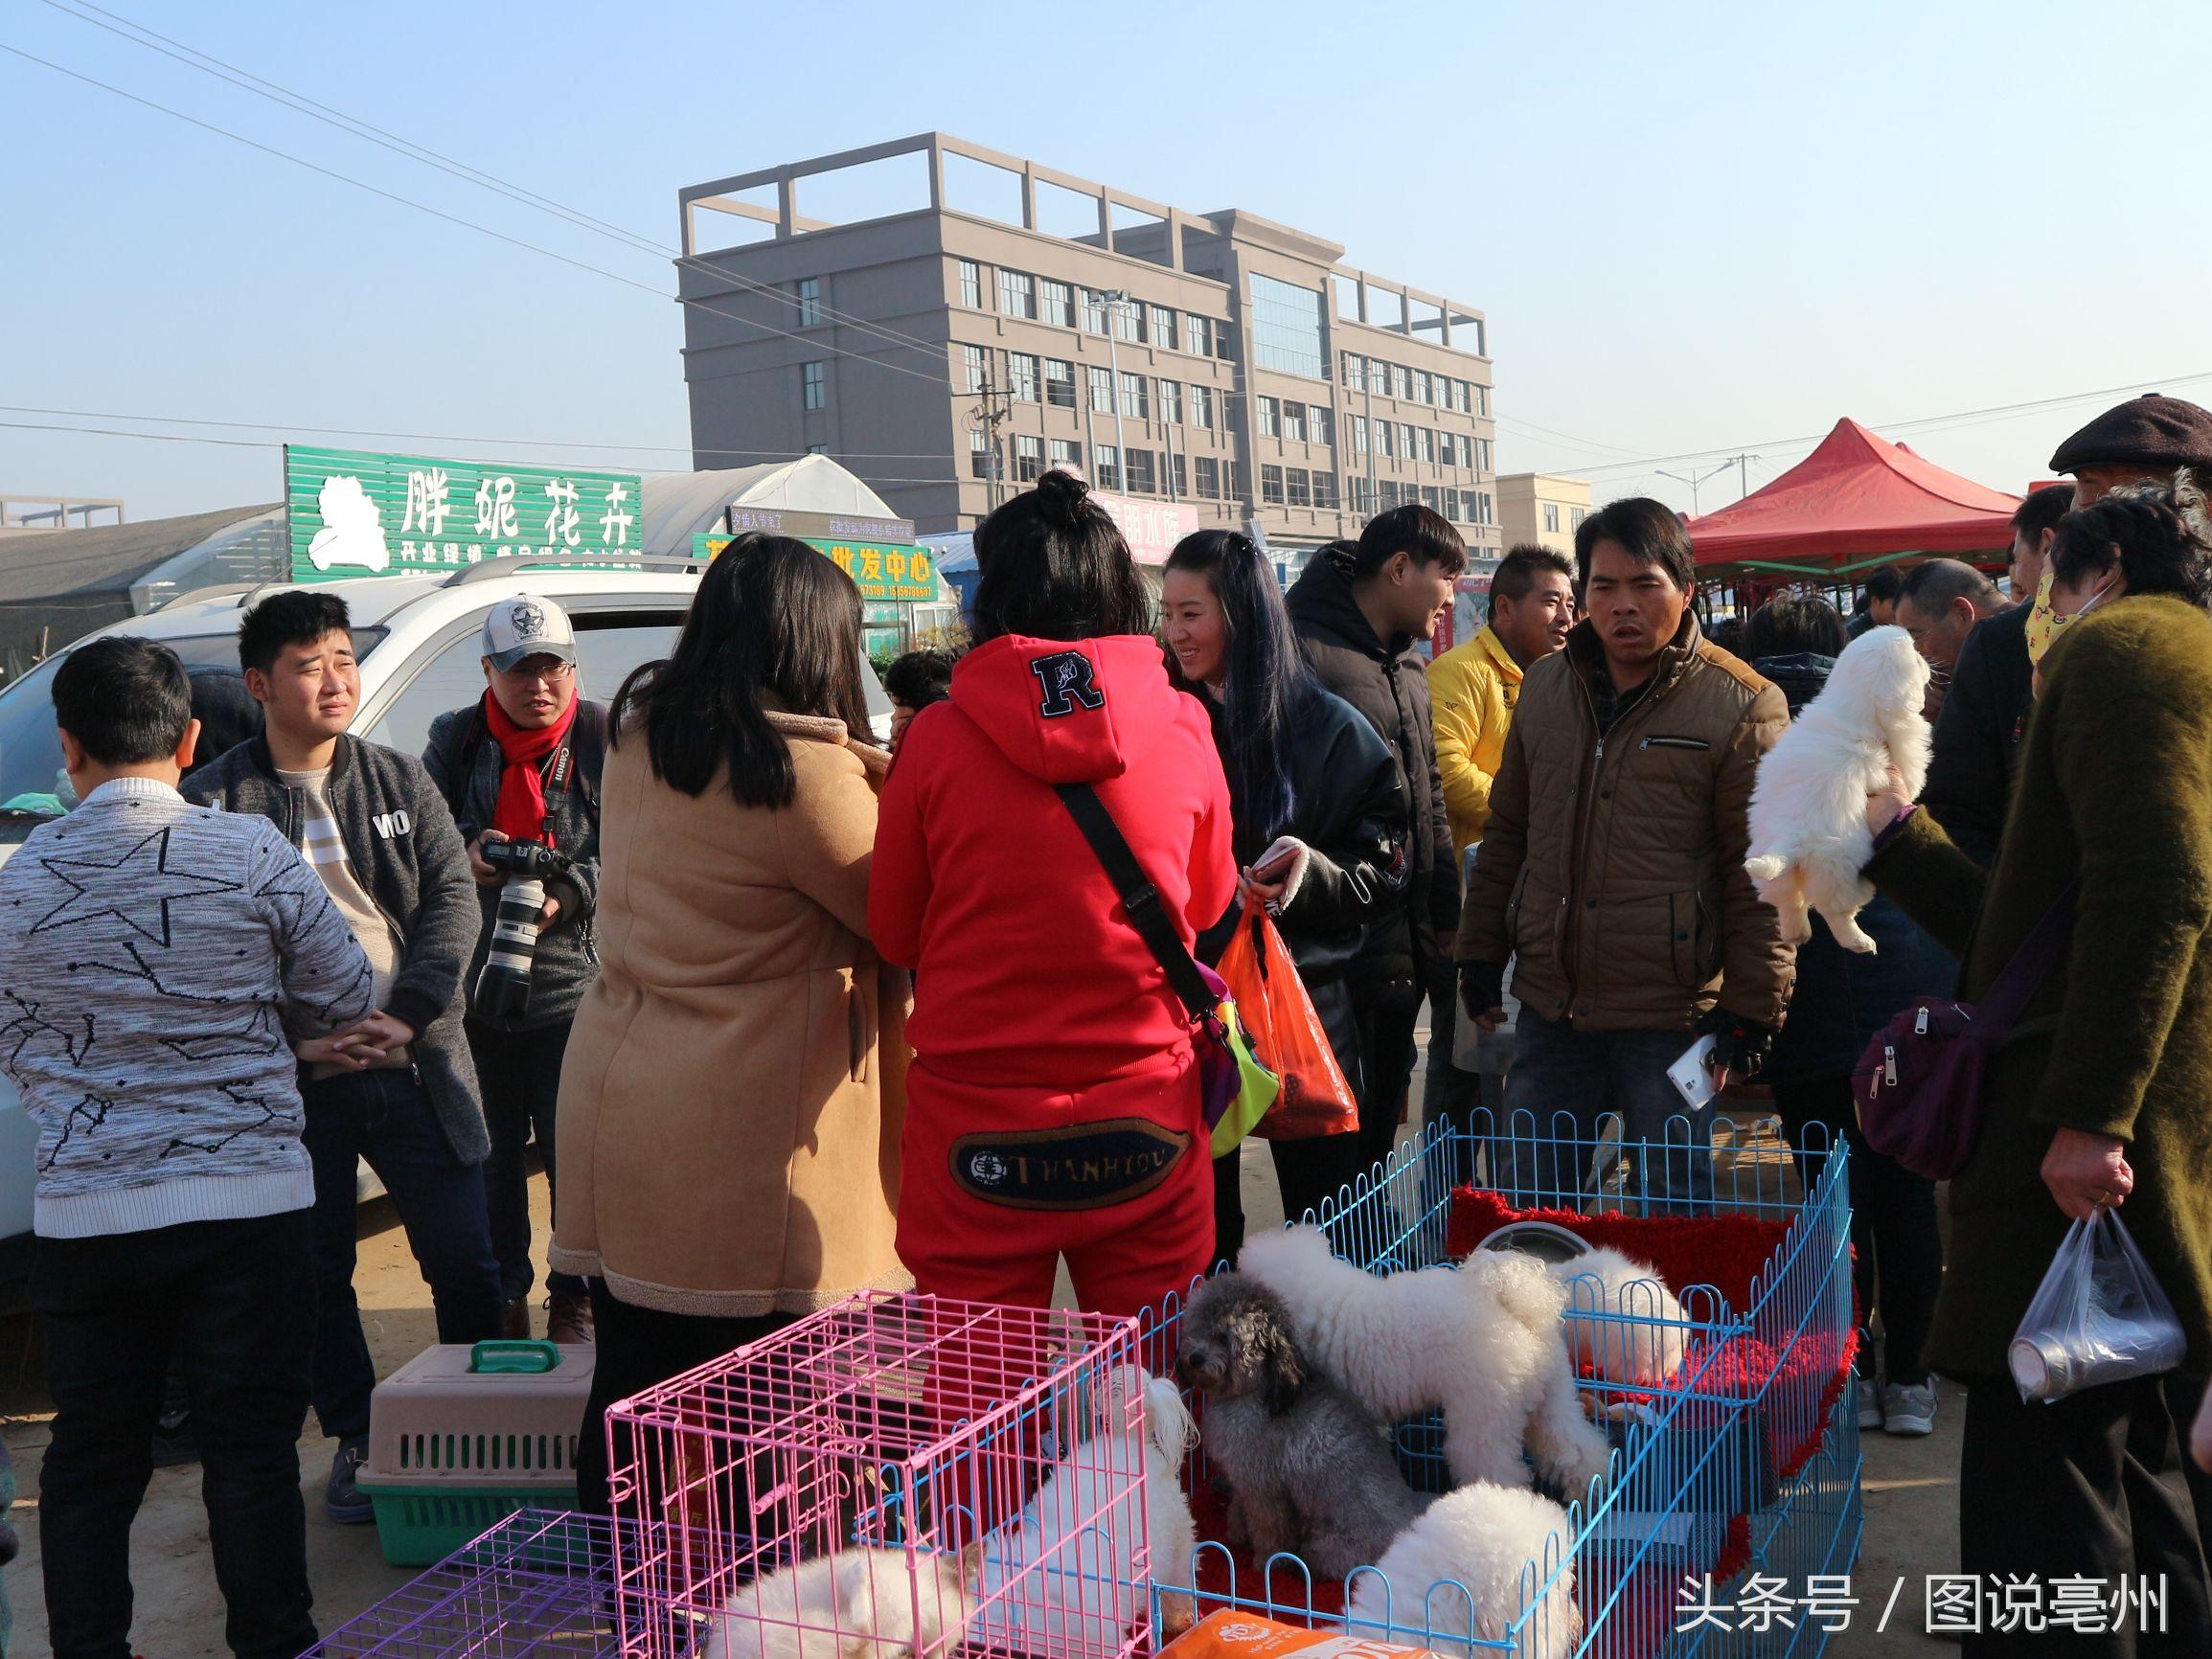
(1690, 227)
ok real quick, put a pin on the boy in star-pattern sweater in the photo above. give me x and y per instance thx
(153, 955)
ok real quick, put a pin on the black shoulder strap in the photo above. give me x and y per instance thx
(590, 734)
(1138, 896)
(2007, 997)
(472, 741)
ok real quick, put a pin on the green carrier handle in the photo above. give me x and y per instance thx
(513, 1358)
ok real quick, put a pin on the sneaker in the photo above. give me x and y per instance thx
(514, 1319)
(568, 1318)
(1869, 1403)
(1907, 1408)
(346, 1503)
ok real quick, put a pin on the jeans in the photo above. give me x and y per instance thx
(1896, 1246)
(2058, 1492)
(519, 1072)
(233, 1300)
(387, 1117)
(1564, 1080)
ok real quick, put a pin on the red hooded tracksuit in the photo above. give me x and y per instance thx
(1052, 1105)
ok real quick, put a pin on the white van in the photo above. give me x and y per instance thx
(418, 638)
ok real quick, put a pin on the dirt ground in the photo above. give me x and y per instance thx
(1908, 1484)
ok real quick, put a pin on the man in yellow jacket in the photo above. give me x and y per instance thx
(1473, 688)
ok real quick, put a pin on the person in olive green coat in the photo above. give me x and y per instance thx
(2102, 1095)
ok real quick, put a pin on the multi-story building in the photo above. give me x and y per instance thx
(1546, 508)
(949, 354)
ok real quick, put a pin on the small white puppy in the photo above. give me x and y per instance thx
(859, 1603)
(1623, 1322)
(1080, 1534)
(1809, 834)
(1500, 1546)
(1485, 1342)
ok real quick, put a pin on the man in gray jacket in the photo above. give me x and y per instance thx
(398, 1088)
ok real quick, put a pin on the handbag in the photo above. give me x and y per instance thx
(1262, 975)
(1918, 1083)
(1236, 1089)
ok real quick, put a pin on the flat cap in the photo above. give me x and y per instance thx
(2153, 430)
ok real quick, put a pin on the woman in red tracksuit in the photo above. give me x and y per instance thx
(1053, 1106)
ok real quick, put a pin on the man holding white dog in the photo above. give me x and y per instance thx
(1612, 869)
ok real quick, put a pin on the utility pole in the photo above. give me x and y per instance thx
(1694, 479)
(1743, 464)
(987, 417)
(1367, 381)
(1116, 299)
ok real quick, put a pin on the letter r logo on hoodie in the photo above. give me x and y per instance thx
(1067, 681)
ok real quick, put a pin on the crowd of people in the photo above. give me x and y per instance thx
(805, 1018)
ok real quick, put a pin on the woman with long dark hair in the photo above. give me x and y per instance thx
(1318, 814)
(1055, 1104)
(731, 1096)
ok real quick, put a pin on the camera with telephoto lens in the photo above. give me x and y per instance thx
(503, 988)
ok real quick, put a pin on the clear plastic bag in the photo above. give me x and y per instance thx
(2098, 1317)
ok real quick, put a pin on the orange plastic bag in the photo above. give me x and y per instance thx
(1286, 1036)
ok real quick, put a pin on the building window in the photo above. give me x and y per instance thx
(809, 302)
(975, 360)
(1017, 294)
(1028, 457)
(817, 450)
(1101, 391)
(1197, 335)
(1141, 479)
(1286, 328)
(1058, 304)
(1094, 311)
(1551, 518)
(1356, 424)
(1451, 506)
(1203, 407)
(1482, 400)
(1485, 457)
(1224, 345)
(1355, 372)
(1421, 386)
(971, 284)
(1209, 474)
(1232, 479)
(1400, 382)
(1059, 384)
(1425, 438)
(1462, 398)
(1232, 414)
(1270, 417)
(813, 384)
(1362, 497)
(1405, 452)
(1324, 425)
(1171, 402)
(1325, 491)
(1106, 467)
(1382, 440)
(1021, 377)
(1129, 320)
(1293, 422)
(1179, 484)
(1271, 486)
(1484, 512)
(978, 453)
(1575, 517)
(1136, 401)
(1163, 327)
(1301, 487)
(1067, 455)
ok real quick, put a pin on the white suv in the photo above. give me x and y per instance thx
(418, 638)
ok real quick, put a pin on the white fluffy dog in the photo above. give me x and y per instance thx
(1484, 1342)
(1623, 1322)
(1809, 834)
(1497, 1544)
(862, 1604)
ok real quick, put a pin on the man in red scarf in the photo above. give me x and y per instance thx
(522, 763)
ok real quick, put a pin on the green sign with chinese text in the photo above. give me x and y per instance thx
(354, 512)
(884, 571)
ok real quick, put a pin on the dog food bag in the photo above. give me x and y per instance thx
(1231, 1634)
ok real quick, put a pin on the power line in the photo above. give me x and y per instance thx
(352, 125)
(451, 438)
(455, 219)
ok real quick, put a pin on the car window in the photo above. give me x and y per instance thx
(607, 647)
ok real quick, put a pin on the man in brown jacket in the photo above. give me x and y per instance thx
(1612, 871)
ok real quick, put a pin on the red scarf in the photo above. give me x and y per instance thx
(520, 812)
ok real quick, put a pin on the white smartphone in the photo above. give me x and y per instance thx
(1692, 1075)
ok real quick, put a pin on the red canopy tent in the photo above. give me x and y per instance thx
(1857, 500)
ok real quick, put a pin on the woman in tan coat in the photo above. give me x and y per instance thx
(732, 1097)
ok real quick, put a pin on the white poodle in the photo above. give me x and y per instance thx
(1623, 1322)
(1809, 834)
(1484, 1343)
(862, 1604)
(1466, 1570)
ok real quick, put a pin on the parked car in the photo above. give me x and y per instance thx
(418, 639)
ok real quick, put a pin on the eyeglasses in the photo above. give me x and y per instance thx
(550, 669)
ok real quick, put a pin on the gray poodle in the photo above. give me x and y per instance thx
(1307, 1471)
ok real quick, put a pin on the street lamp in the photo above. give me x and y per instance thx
(1694, 479)
(1116, 298)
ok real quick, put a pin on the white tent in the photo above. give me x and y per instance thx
(683, 504)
